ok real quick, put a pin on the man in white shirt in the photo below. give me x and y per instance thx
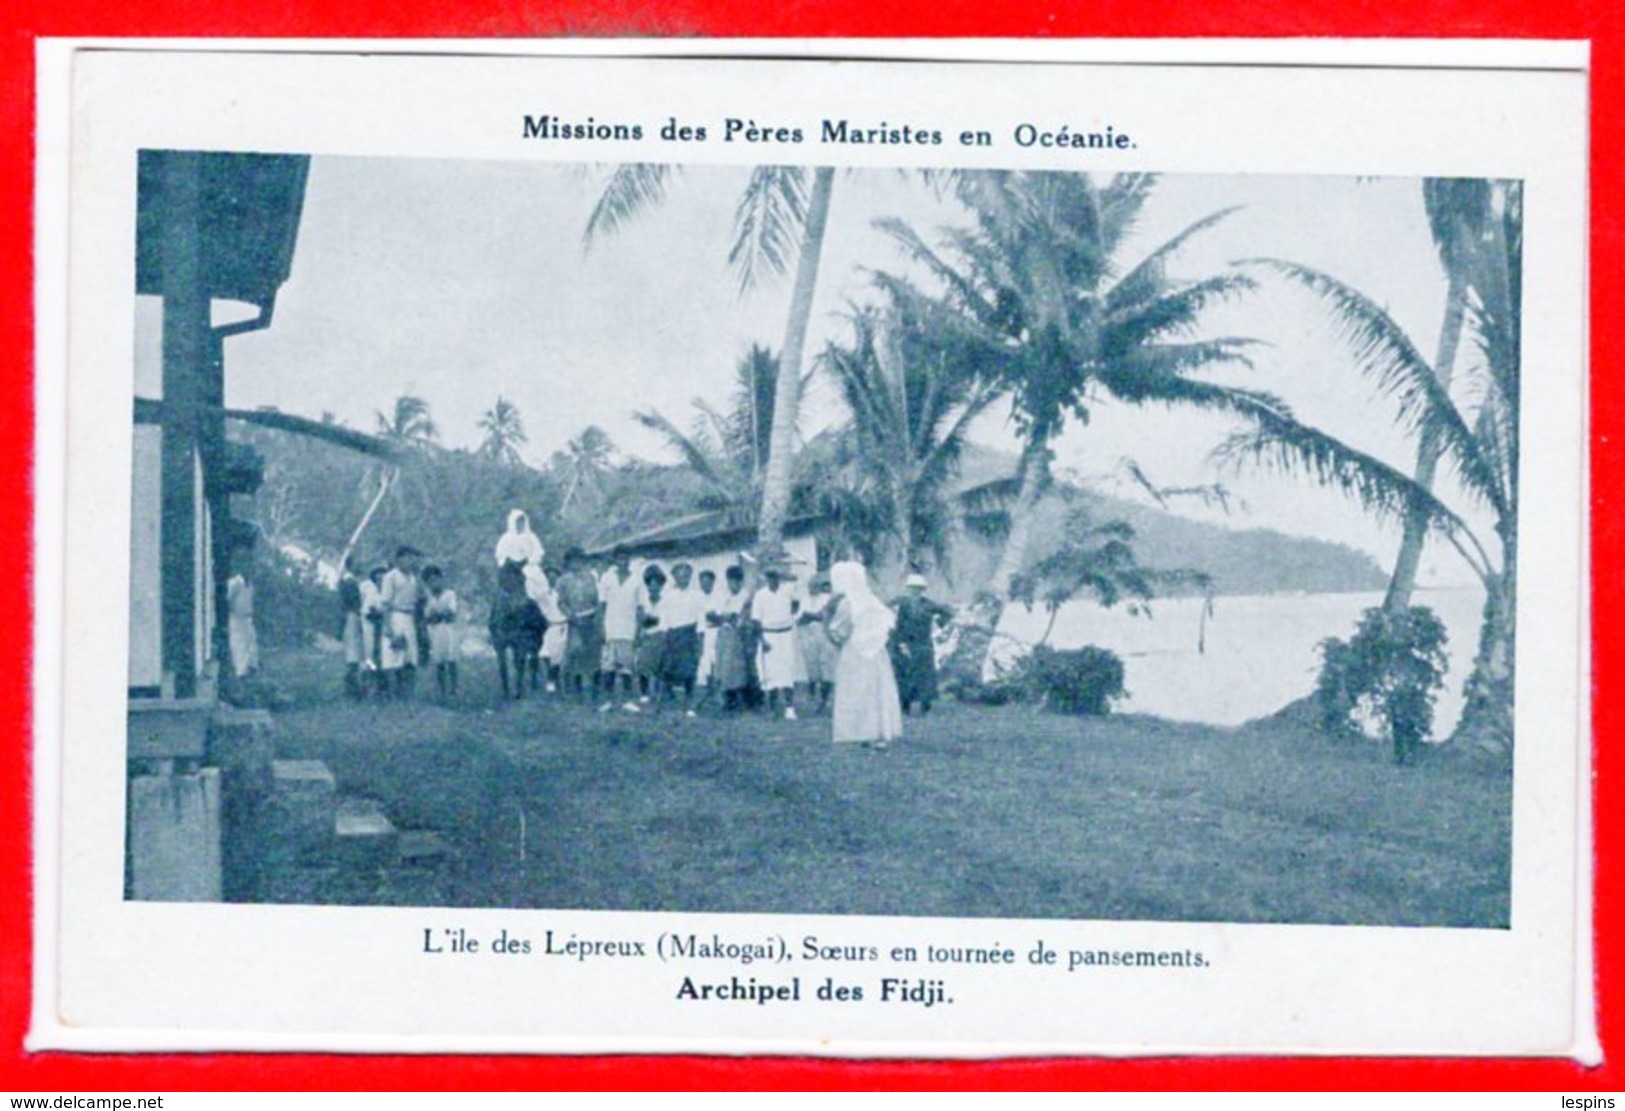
(705, 673)
(618, 594)
(399, 597)
(773, 608)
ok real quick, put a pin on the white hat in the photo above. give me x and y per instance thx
(915, 579)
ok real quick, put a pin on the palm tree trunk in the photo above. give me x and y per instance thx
(1403, 581)
(1035, 480)
(897, 572)
(385, 481)
(1486, 716)
(786, 391)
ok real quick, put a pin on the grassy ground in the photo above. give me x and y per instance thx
(1008, 812)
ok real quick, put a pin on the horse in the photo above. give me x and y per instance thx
(516, 626)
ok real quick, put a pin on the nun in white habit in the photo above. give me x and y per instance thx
(519, 544)
(867, 710)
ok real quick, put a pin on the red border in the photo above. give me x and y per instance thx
(22, 20)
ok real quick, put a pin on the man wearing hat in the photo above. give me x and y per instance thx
(778, 662)
(912, 652)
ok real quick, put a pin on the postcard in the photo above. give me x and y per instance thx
(857, 549)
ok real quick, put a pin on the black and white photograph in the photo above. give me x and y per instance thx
(953, 557)
(958, 543)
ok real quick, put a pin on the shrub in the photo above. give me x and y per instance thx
(1077, 681)
(291, 605)
(1387, 675)
(1011, 683)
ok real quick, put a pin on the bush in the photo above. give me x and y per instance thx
(291, 605)
(1077, 681)
(1011, 684)
(1387, 676)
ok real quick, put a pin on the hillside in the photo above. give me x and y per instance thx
(1239, 561)
(453, 504)
(1245, 561)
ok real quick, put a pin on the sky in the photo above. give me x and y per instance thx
(462, 280)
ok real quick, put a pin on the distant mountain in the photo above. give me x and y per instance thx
(1244, 561)
(1239, 561)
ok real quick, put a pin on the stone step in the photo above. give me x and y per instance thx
(424, 848)
(364, 835)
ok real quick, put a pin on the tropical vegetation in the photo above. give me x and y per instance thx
(781, 215)
(1469, 424)
(911, 396)
(1037, 294)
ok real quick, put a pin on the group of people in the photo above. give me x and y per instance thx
(399, 617)
(664, 636)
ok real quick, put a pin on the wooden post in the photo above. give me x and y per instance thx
(186, 345)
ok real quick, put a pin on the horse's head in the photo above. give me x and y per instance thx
(511, 577)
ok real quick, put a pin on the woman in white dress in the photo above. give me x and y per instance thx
(867, 709)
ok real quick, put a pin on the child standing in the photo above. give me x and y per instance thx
(440, 614)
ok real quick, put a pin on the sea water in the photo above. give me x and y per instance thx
(1253, 655)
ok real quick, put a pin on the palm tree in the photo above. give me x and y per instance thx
(912, 399)
(1460, 218)
(1039, 294)
(504, 433)
(1476, 436)
(730, 450)
(587, 457)
(408, 423)
(780, 215)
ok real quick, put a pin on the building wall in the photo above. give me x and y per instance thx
(146, 671)
(803, 552)
(146, 632)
